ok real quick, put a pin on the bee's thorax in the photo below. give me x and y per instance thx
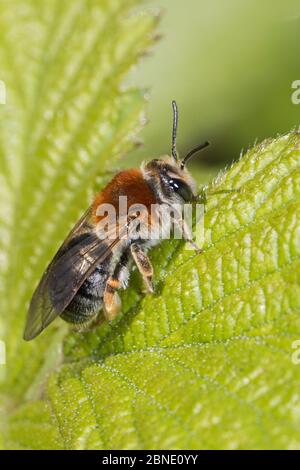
(130, 183)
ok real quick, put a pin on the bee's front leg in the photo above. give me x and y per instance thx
(143, 264)
(188, 236)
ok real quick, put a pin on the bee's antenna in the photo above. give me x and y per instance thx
(174, 132)
(192, 152)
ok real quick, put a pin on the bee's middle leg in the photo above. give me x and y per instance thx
(118, 280)
(143, 264)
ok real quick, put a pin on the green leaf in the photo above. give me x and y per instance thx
(67, 120)
(206, 362)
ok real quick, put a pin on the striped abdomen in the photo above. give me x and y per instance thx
(88, 300)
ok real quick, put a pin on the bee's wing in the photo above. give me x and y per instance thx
(76, 259)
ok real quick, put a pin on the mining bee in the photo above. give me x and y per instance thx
(94, 261)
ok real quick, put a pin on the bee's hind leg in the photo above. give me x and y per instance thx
(119, 278)
(143, 264)
(111, 299)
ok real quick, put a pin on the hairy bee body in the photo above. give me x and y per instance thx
(93, 263)
(89, 298)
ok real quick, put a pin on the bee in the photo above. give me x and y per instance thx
(83, 279)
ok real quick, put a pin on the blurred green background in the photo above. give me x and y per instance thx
(230, 65)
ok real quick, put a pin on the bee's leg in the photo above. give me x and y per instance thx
(111, 299)
(202, 196)
(188, 236)
(143, 264)
(119, 278)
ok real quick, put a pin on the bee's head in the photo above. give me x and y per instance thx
(170, 181)
(169, 175)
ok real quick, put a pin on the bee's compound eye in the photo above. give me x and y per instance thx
(181, 188)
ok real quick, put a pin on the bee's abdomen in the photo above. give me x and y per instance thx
(88, 300)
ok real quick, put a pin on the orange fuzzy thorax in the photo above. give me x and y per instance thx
(130, 183)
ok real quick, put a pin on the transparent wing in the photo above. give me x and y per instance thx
(76, 259)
